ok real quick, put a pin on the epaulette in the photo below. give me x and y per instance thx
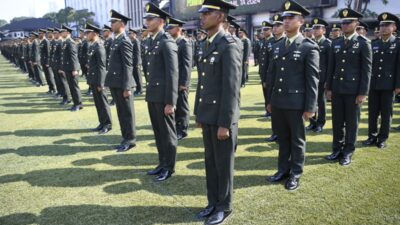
(360, 37)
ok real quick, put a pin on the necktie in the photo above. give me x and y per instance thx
(287, 43)
(207, 44)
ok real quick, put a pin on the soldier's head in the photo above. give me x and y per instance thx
(277, 25)
(350, 20)
(118, 22)
(132, 33)
(107, 31)
(293, 16)
(155, 18)
(42, 33)
(266, 28)
(50, 32)
(175, 27)
(65, 31)
(336, 31)
(214, 14)
(242, 33)
(92, 32)
(319, 27)
(387, 24)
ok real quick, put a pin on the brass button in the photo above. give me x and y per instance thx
(214, 101)
(380, 68)
(343, 61)
(342, 70)
(341, 78)
(203, 74)
(283, 58)
(201, 87)
(354, 78)
(205, 60)
(344, 51)
(282, 69)
(200, 100)
(379, 75)
(381, 60)
(280, 90)
(281, 80)
(297, 91)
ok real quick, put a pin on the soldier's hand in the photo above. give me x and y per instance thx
(223, 133)
(169, 110)
(198, 125)
(308, 115)
(127, 93)
(47, 65)
(328, 95)
(99, 88)
(360, 99)
(264, 84)
(182, 88)
(269, 108)
(74, 73)
(397, 91)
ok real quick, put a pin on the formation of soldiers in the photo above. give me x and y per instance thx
(299, 72)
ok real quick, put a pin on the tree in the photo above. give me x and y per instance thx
(70, 15)
(81, 17)
(16, 19)
(3, 22)
(361, 5)
(52, 16)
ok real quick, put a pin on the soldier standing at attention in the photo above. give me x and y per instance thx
(385, 80)
(53, 44)
(185, 57)
(137, 61)
(162, 90)
(70, 67)
(96, 75)
(293, 99)
(319, 29)
(308, 32)
(35, 60)
(144, 42)
(120, 80)
(336, 31)
(108, 40)
(246, 55)
(57, 60)
(264, 58)
(45, 61)
(349, 74)
(217, 108)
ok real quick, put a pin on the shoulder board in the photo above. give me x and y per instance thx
(310, 41)
(229, 38)
(328, 40)
(167, 35)
(360, 37)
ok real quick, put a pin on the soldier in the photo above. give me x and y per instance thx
(35, 60)
(201, 36)
(246, 55)
(70, 67)
(319, 29)
(362, 29)
(185, 57)
(336, 31)
(278, 35)
(83, 55)
(27, 49)
(162, 90)
(293, 99)
(107, 35)
(120, 80)
(377, 34)
(264, 59)
(385, 81)
(256, 46)
(96, 75)
(45, 61)
(308, 33)
(137, 61)
(217, 108)
(347, 85)
(51, 33)
(144, 42)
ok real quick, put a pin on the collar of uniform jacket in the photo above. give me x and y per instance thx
(320, 40)
(390, 39)
(292, 39)
(211, 39)
(351, 36)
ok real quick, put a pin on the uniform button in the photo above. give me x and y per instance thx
(381, 60)
(343, 61)
(379, 75)
(214, 101)
(148, 63)
(148, 73)
(381, 53)
(201, 87)
(158, 83)
(344, 51)
(203, 74)
(354, 78)
(280, 90)
(281, 80)
(380, 68)
(283, 58)
(341, 78)
(342, 70)
(147, 83)
(200, 100)
(297, 91)
(114, 73)
(282, 69)
(205, 60)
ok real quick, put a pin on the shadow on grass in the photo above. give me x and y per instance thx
(104, 215)
(54, 150)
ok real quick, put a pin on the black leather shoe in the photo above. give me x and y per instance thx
(292, 183)
(105, 130)
(310, 127)
(318, 129)
(65, 102)
(277, 177)
(345, 160)
(381, 144)
(333, 156)
(181, 136)
(205, 213)
(273, 138)
(76, 108)
(267, 115)
(125, 147)
(163, 176)
(370, 141)
(156, 171)
(218, 217)
(98, 128)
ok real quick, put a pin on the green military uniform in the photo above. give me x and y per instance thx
(45, 62)
(137, 63)
(385, 78)
(246, 55)
(162, 90)
(57, 65)
(96, 75)
(35, 59)
(119, 79)
(264, 59)
(349, 74)
(294, 87)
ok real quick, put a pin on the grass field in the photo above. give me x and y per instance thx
(55, 171)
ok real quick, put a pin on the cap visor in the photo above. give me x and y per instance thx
(204, 10)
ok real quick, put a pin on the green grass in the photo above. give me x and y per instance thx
(54, 171)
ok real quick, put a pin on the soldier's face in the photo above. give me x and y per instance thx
(318, 31)
(387, 29)
(292, 23)
(154, 23)
(64, 34)
(335, 33)
(266, 31)
(173, 31)
(41, 35)
(361, 31)
(278, 29)
(212, 19)
(349, 28)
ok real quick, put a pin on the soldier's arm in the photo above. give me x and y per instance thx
(271, 71)
(47, 59)
(170, 56)
(126, 51)
(231, 80)
(135, 55)
(186, 69)
(331, 69)
(101, 64)
(73, 51)
(366, 67)
(311, 76)
(398, 66)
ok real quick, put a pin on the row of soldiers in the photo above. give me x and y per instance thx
(298, 74)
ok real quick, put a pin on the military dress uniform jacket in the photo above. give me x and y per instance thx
(324, 51)
(137, 59)
(119, 74)
(97, 64)
(386, 64)
(69, 56)
(264, 57)
(83, 52)
(45, 52)
(185, 55)
(35, 52)
(294, 75)
(349, 69)
(107, 45)
(217, 96)
(162, 70)
(56, 57)
(246, 49)
(53, 47)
